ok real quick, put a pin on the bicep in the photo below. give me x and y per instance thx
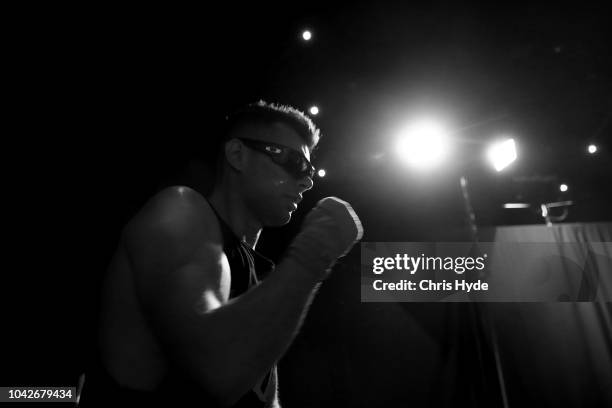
(202, 283)
(174, 298)
(179, 267)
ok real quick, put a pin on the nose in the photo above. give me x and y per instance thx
(305, 183)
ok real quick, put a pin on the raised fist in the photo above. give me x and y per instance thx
(329, 231)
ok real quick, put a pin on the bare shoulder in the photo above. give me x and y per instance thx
(175, 238)
(177, 209)
(176, 215)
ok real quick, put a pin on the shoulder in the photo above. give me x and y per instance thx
(173, 223)
(176, 209)
(175, 249)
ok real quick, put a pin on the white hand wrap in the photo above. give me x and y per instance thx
(329, 231)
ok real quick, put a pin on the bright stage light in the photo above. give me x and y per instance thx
(517, 205)
(592, 149)
(501, 154)
(314, 110)
(563, 188)
(306, 35)
(321, 173)
(422, 144)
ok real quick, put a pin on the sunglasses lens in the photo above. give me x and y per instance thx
(291, 160)
(299, 166)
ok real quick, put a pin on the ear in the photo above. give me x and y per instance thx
(235, 154)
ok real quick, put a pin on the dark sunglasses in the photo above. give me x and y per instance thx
(294, 162)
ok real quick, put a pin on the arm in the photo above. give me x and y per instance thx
(182, 279)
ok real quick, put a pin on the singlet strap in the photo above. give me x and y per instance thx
(229, 238)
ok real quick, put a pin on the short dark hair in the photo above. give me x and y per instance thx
(265, 113)
(200, 164)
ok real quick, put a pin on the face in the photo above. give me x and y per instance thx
(272, 193)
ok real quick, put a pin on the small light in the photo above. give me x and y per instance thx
(306, 35)
(517, 205)
(563, 188)
(314, 110)
(321, 173)
(592, 149)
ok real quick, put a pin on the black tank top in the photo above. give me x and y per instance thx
(247, 267)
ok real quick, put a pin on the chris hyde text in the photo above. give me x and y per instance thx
(430, 285)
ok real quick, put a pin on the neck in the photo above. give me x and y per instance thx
(232, 210)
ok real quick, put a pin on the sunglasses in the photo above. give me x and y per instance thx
(294, 162)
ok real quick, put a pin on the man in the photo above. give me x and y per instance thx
(184, 314)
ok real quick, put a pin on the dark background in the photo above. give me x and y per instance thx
(105, 104)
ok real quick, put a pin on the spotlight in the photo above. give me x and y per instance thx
(314, 110)
(517, 205)
(501, 154)
(592, 149)
(422, 144)
(563, 188)
(306, 35)
(321, 173)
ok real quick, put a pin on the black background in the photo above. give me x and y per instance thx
(102, 104)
